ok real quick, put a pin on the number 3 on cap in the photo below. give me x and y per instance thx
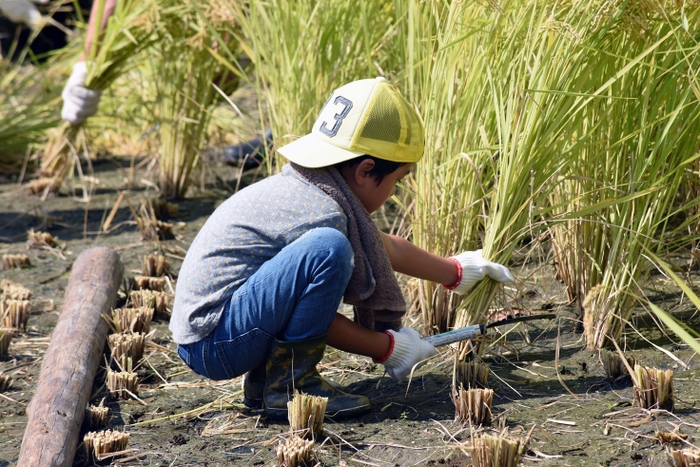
(339, 117)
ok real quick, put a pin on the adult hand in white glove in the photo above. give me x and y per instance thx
(79, 102)
(21, 11)
(407, 349)
(472, 267)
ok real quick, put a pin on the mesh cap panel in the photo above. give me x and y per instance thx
(390, 128)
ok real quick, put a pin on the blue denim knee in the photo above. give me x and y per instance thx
(293, 296)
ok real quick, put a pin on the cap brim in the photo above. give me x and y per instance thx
(310, 151)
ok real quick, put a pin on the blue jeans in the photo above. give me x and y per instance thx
(293, 296)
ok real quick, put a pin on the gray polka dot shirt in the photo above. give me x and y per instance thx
(248, 229)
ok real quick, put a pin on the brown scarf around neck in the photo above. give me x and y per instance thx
(373, 289)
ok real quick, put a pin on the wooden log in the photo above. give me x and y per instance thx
(56, 411)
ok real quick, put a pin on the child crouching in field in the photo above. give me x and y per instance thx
(260, 286)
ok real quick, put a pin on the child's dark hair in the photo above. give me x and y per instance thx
(381, 169)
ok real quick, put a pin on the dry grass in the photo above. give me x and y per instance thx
(653, 388)
(155, 266)
(14, 291)
(471, 374)
(159, 302)
(614, 366)
(12, 261)
(122, 384)
(306, 414)
(496, 451)
(123, 345)
(5, 380)
(100, 444)
(295, 451)
(41, 240)
(683, 457)
(14, 313)
(473, 405)
(158, 284)
(98, 415)
(132, 319)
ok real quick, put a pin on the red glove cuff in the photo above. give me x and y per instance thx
(388, 352)
(459, 275)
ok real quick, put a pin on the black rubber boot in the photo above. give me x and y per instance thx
(254, 386)
(292, 365)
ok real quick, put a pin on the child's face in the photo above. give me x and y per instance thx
(371, 194)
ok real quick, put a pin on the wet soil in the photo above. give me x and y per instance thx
(548, 387)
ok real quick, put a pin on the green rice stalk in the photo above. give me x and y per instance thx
(116, 49)
(497, 122)
(321, 46)
(644, 140)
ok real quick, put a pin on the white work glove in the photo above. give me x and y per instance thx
(474, 268)
(79, 102)
(21, 11)
(408, 349)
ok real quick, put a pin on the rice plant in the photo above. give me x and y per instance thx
(497, 130)
(641, 130)
(185, 98)
(322, 45)
(128, 31)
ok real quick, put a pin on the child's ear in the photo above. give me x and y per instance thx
(363, 171)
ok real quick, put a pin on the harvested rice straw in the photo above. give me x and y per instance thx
(15, 313)
(40, 239)
(473, 405)
(157, 284)
(6, 335)
(185, 100)
(122, 384)
(10, 261)
(132, 319)
(653, 388)
(294, 451)
(683, 457)
(613, 365)
(129, 345)
(158, 301)
(149, 225)
(163, 209)
(5, 382)
(496, 451)
(155, 266)
(668, 437)
(471, 374)
(14, 291)
(305, 413)
(128, 31)
(101, 443)
(98, 415)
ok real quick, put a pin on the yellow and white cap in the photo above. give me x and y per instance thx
(368, 116)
